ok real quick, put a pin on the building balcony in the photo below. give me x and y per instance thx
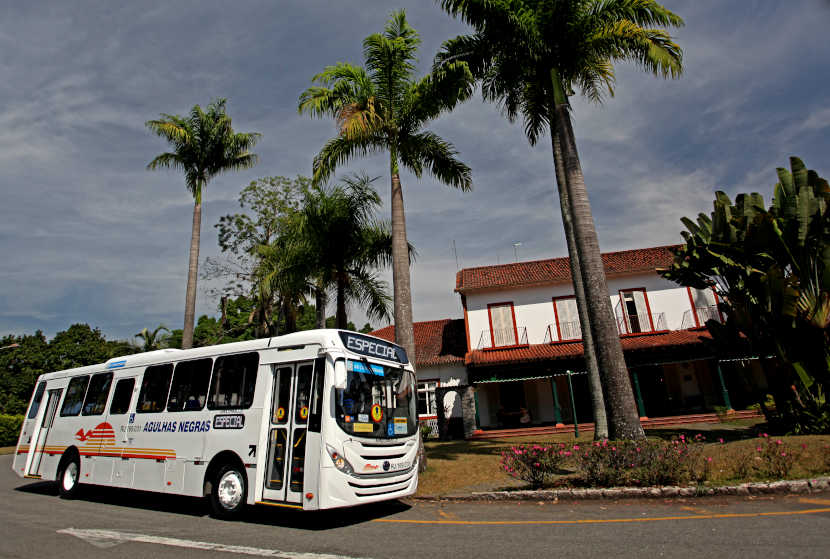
(704, 314)
(641, 323)
(563, 332)
(505, 337)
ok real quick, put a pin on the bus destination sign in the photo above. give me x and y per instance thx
(373, 347)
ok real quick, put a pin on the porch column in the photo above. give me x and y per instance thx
(573, 406)
(557, 409)
(640, 405)
(724, 392)
(478, 421)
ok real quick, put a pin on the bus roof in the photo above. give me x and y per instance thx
(325, 338)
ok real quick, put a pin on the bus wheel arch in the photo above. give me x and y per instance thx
(226, 485)
(68, 476)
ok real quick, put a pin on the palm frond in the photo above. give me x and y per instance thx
(439, 156)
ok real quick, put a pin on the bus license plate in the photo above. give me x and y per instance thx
(394, 467)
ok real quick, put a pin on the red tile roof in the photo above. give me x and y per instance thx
(437, 342)
(557, 270)
(572, 350)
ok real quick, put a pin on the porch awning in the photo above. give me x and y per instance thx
(515, 376)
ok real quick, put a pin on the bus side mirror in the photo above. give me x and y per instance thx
(340, 374)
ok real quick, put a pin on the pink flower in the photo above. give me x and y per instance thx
(708, 458)
(638, 449)
(765, 435)
(576, 447)
(779, 441)
(720, 441)
(682, 437)
(803, 445)
(614, 448)
(783, 454)
(758, 449)
(567, 453)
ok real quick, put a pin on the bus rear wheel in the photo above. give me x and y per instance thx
(228, 493)
(69, 475)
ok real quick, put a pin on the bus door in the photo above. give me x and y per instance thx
(41, 432)
(285, 469)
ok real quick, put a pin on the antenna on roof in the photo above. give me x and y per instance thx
(455, 253)
(516, 246)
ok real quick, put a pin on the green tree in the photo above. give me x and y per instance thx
(772, 267)
(530, 56)
(204, 145)
(270, 205)
(381, 108)
(19, 368)
(338, 241)
(151, 339)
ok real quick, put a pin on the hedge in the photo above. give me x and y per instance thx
(10, 429)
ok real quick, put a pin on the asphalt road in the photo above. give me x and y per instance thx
(106, 522)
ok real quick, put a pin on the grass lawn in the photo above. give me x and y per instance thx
(458, 467)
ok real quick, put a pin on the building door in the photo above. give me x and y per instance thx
(41, 432)
(285, 469)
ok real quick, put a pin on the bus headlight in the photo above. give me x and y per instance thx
(339, 462)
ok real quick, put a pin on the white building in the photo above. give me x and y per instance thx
(521, 347)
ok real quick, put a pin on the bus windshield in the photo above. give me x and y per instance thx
(378, 401)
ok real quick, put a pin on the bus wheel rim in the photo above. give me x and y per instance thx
(70, 476)
(230, 490)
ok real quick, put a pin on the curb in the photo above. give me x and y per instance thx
(795, 487)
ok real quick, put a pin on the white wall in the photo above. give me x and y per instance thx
(446, 375)
(533, 306)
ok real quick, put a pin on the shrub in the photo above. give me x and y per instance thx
(534, 464)
(776, 457)
(426, 430)
(10, 429)
(648, 462)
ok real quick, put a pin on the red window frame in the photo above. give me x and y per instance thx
(513, 316)
(556, 318)
(648, 309)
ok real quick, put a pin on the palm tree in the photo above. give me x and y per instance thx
(380, 107)
(152, 340)
(342, 242)
(204, 145)
(531, 55)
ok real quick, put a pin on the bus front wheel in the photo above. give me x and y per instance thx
(228, 493)
(69, 475)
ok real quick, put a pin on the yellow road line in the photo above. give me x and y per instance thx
(602, 520)
(824, 502)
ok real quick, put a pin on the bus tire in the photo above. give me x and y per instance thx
(228, 492)
(69, 477)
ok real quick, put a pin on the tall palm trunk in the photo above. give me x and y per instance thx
(192, 273)
(624, 421)
(404, 332)
(597, 399)
(341, 320)
(320, 301)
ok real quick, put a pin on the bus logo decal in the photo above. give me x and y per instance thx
(377, 413)
(232, 421)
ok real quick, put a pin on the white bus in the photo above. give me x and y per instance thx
(310, 420)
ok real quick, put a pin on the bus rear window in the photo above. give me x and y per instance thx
(154, 387)
(36, 400)
(74, 396)
(190, 385)
(122, 396)
(233, 382)
(96, 397)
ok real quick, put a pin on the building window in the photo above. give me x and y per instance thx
(426, 398)
(567, 319)
(502, 324)
(705, 305)
(634, 311)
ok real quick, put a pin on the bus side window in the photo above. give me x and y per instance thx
(122, 396)
(74, 398)
(154, 387)
(96, 397)
(190, 385)
(233, 382)
(36, 400)
(315, 415)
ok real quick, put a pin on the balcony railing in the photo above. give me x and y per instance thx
(703, 314)
(504, 337)
(639, 323)
(567, 331)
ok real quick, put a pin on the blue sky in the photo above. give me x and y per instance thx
(88, 235)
